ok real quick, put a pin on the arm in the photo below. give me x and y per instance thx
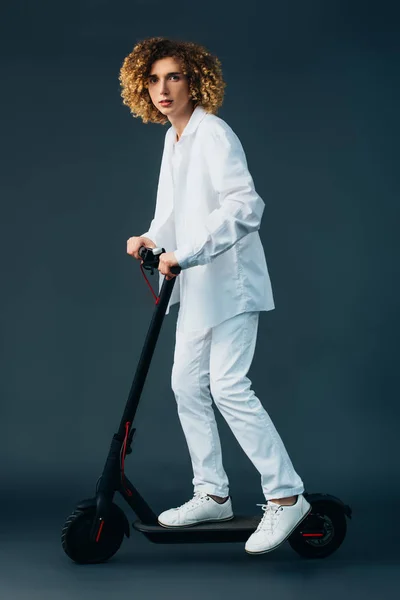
(241, 207)
(160, 235)
(150, 234)
(156, 232)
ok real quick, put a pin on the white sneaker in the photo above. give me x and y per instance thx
(200, 509)
(277, 524)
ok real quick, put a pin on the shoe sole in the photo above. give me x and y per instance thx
(280, 543)
(197, 523)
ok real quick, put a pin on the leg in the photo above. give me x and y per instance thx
(289, 501)
(232, 350)
(190, 381)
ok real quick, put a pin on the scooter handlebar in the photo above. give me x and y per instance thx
(150, 257)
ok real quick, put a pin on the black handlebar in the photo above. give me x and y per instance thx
(151, 260)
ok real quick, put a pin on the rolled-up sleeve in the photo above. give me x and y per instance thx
(240, 210)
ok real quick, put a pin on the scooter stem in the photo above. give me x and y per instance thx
(110, 480)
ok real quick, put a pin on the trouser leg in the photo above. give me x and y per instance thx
(231, 353)
(190, 381)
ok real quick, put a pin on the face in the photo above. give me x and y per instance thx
(167, 82)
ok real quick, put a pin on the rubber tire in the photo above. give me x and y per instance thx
(338, 519)
(75, 536)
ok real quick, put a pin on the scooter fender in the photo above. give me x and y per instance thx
(89, 503)
(319, 497)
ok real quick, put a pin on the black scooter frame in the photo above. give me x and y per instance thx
(114, 480)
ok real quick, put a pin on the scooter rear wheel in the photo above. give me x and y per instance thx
(329, 519)
(75, 536)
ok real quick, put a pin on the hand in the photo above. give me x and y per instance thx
(134, 243)
(166, 261)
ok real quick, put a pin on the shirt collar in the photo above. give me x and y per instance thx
(195, 118)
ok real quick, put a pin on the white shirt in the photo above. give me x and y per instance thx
(178, 212)
(208, 213)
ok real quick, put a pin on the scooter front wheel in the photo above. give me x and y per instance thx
(322, 532)
(75, 536)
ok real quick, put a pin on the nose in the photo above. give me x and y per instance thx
(164, 87)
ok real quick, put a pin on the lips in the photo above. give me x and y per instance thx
(165, 102)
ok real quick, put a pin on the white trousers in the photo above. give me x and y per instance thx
(212, 364)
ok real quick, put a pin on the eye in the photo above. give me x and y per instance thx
(155, 79)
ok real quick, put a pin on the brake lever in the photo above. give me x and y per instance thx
(150, 259)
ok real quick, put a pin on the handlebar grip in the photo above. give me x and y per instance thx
(144, 252)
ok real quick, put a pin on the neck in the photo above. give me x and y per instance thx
(180, 121)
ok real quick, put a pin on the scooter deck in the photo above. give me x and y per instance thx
(237, 529)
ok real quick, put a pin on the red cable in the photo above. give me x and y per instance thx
(128, 491)
(127, 424)
(148, 283)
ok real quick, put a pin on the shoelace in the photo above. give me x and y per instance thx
(269, 518)
(198, 496)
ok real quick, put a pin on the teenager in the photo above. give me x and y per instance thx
(207, 218)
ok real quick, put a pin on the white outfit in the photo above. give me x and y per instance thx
(216, 361)
(208, 213)
(209, 216)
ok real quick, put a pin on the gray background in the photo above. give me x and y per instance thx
(313, 94)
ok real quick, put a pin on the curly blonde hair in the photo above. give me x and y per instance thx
(202, 69)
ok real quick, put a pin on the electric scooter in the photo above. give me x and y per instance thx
(94, 531)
